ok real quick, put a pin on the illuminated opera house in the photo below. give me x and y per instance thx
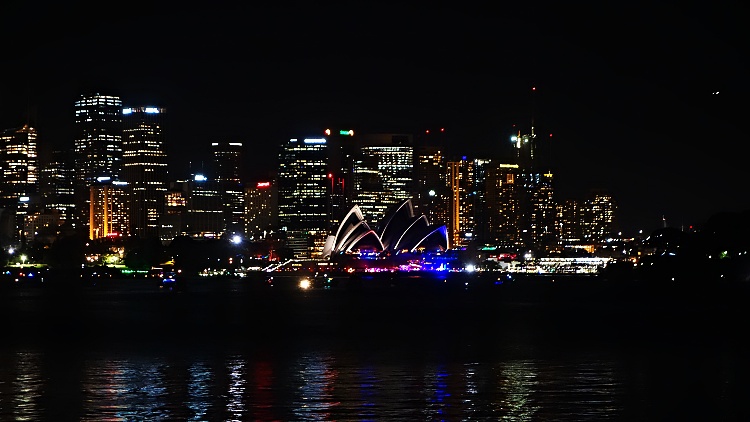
(400, 239)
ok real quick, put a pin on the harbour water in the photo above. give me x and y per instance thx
(233, 349)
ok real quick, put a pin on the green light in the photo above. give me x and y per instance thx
(346, 132)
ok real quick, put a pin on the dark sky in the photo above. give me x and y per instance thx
(627, 89)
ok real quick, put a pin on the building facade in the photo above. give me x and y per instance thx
(97, 147)
(144, 167)
(303, 195)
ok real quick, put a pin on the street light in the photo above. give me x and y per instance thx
(23, 260)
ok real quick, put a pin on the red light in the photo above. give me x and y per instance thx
(262, 185)
(427, 131)
(550, 135)
(442, 129)
(330, 175)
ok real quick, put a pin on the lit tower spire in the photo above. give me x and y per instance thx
(525, 142)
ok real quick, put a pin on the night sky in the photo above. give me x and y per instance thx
(628, 92)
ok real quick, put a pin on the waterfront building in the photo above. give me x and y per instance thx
(204, 215)
(97, 147)
(144, 167)
(503, 205)
(461, 182)
(19, 163)
(175, 207)
(261, 209)
(109, 209)
(343, 150)
(599, 222)
(538, 210)
(303, 195)
(57, 178)
(19, 174)
(383, 173)
(432, 195)
(569, 220)
(228, 172)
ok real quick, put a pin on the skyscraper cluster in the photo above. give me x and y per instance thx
(114, 183)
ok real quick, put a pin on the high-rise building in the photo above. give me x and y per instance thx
(383, 173)
(303, 195)
(97, 147)
(261, 209)
(204, 216)
(538, 210)
(343, 149)
(432, 194)
(19, 165)
(461, 182)
(57, 179)
(144, 167)
(503, 205)
(175, 209)
(227, 171)
(108, 209)
(599, 222)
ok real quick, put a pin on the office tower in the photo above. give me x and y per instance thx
(478, 196)
(431, 188)
(108, 213)
(383, 173)
(503, 205)
(303, 195)
(261, 209)
(432, 195)
(97, 147)
(227, 172)
(144, 167)
(204, 216)
(57, 180)
(343, 148)
(175, 208)
(461, 182)
(19, 162)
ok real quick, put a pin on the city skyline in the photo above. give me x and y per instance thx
(629, 95)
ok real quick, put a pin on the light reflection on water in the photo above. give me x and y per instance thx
(418, 358)
(309, 386)
(317, 385)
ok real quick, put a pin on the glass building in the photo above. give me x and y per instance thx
(302, 195)
(144, 167)
(97, 146)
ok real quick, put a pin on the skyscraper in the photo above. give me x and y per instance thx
(97, 146)
(19, 189)
(144, 167)
(19, 163)
(57, 185)
(383, 173)
(303, 199)
(461, 182)
(261, 205)
(227, 171)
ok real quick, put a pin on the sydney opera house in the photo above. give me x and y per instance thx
(400, 239)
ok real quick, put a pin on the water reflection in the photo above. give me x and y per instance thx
(199, 383)
(326, 384)
(26, 386)
(316, 379)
